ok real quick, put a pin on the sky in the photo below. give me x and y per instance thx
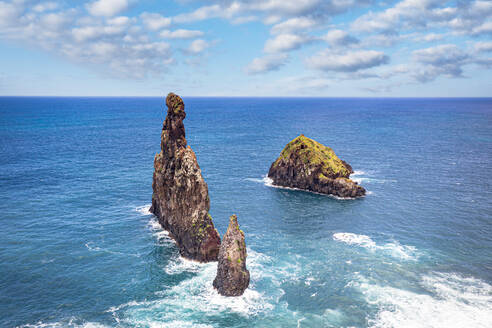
(322, 48)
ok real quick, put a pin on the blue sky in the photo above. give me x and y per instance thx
(332, 48)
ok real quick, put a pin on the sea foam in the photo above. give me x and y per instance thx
(194, 298)
(157, 231)
(393, 248)
(70, 323)
(144, 210)
(449, 300)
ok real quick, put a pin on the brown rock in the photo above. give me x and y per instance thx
(308, 165)
(232, 276)
(180, 195)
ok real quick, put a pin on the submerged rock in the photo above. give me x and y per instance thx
(180, 195)
(232, 276)
(306, 164)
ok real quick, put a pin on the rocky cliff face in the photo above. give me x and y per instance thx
(180, 195)
(232, 276)
(308, 165)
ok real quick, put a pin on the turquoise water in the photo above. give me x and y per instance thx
(79, 249)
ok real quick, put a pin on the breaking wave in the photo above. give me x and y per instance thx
(394, 248)
(448, 300)
(144, 210)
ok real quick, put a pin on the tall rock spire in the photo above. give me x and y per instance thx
(180, 197)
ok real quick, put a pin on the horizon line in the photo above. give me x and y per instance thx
(257, 97)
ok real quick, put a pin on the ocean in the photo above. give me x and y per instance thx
(78, 247)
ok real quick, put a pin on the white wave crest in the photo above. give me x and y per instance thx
(449, 300)
(394, 248)
(144, 210)
(180, 265)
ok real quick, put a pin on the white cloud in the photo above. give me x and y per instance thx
(294, 25)
(285, 42)
(46, 6)
(431, 37)
(180, 34)
(272, 11)
(265, 64)
(9, 13)
(86, 33)
(465, 17)
(418, 12)
(113, 44)
(119, 21)
(198, 46)
(485, 28)
(107, 7)
(483, 46)
(339, 38)
(445, 59)
(347, 62)
(208, 12)
(440, 55)
(54, 20)
(154, 21)
(294, 8)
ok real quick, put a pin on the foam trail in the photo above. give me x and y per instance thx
(99, 249)
(394, 248)
(364, 177)
(265, 180)
(449, 300)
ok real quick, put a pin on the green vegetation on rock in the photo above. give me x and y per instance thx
(314, 154)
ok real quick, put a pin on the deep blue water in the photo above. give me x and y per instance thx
(78, 249)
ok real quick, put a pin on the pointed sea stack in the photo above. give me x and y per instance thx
(180, 195)
(232, 276)
(308, 165)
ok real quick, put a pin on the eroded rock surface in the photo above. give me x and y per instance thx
(306, 164)
(180, 197)
(232, 276)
